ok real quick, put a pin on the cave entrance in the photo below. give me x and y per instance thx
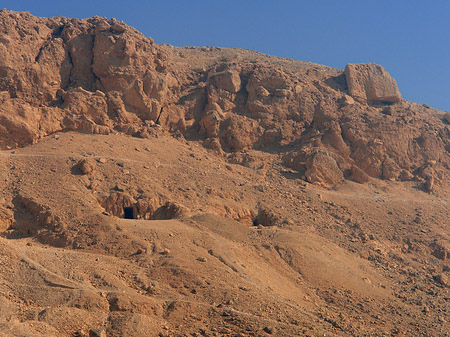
(128, 213)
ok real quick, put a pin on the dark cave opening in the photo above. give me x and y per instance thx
(128, 213)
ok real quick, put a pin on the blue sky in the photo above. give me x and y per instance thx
(411, 39)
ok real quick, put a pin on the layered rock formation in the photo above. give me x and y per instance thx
(102, 76)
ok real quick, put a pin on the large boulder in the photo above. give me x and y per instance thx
(322, 170)
(228, 80)
(371, 83)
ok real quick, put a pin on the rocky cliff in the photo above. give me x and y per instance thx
(102, 76)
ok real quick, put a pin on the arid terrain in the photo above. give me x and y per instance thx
(153, 190)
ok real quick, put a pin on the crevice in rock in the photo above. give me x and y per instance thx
(69, 79)
(57, 32)
(97, 81)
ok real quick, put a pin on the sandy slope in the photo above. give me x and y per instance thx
(351, 261)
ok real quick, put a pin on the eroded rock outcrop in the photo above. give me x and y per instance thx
(59, 73)
(101, 76)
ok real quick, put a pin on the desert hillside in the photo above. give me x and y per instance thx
(153, 190)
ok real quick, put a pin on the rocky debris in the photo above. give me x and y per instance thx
(371, 83)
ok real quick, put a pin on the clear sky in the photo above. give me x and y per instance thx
(410, 38)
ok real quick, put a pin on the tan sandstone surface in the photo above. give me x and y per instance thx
(152, 190)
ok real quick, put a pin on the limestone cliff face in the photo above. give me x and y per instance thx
(102, 76)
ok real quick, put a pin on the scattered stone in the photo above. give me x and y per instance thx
(119, 188)
(101, 160)
(86, 166)
(269, 330)
(165, 251)
(259, 188)
(97, 333)
(441, 250)
(429, 184)
(201, 259)
(398, 332)
(442, 279)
